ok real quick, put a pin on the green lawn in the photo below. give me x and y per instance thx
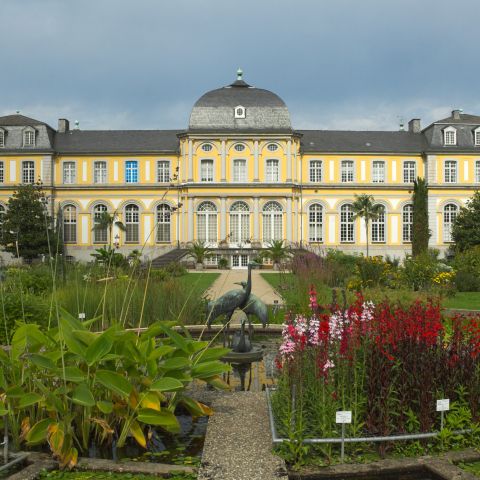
(199, 282)
(297, 296)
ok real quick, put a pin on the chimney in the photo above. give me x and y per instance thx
(63, 125)
(456, 114)
(414, 125)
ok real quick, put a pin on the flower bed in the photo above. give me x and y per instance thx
(387, 364)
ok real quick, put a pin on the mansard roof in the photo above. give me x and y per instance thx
(117, 141)
(464, 118)
(18, 120)
(344, 141)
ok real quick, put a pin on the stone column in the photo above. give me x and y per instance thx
(223, 218)
(289, 219)
(256, 219)
(223, 172)
(190, 161)
(255, 162)
(289, 161)
(190, 219)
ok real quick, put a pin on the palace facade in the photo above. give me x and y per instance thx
(240, 176)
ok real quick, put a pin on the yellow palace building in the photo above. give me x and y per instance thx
(240, 176)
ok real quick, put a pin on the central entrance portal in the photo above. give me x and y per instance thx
(239, 261)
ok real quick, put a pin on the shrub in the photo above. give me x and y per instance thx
(467, 265)
(223, 262)
(419, 271)
(176, 269)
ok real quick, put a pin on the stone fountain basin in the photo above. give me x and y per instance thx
(254, 355)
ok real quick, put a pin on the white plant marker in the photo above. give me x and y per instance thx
(343, 417)
(81, 316)
(443, 406)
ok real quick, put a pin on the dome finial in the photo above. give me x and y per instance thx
(239, 74)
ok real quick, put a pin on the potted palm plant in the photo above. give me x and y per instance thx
(199, 251)
(276, 251)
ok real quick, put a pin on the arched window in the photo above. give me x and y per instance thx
(450, 212)
(272, 222)
(315, 223)
(407, 217)
(69, 224)
(347, 223)
(132, 224)
(207, 222)
(239, 222)
(164, 214)
(100, 235)
(378, 226)
(3, 211)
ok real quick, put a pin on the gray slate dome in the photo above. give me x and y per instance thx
(215, 111)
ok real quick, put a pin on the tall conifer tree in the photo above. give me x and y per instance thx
(420, 230)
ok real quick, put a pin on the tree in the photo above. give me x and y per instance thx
(199, 251)
(106, 221)
(276, 252)
(364, 207)
(420, 230)
(27, 229)
(466, 228)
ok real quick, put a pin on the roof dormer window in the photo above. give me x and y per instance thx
(450, 136)
(29, 138)
(240, 112)
(2, 138)
(476, 137)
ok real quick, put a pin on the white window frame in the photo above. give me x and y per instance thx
(207, 170)
(315, 171)
(132, 170)
(207, 147)
(163, 171)
(239, 170)
(315, 222)
(29, 137)
(239, 223)
(272, 170)
(207, 223)
(69, 172)
(163, 213)
(100, 172)
(2, 171)
(450, 171)
(347, 171)
(378, 174)
(99, 236)
(272, 217)
(132, 223)
(409, 174)
(240, 112)
(239, 147)
(476, 137)
(477, 171)
(347, 224)
(28, 172)
(378, 227)
(3, 211)
(2, 137)
(69, 214)
(407, 223)
(450, 136)
(272, 147)
(449, 215)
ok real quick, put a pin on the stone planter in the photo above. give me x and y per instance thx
(199, 266)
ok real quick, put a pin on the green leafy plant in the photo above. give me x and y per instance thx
(364, 206)
(276, 251)
(199, 251)
(420, 231)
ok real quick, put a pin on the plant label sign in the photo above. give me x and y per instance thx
(443, 405)
(343, 416)
(81, 316)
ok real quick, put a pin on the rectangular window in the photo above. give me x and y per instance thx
(69, 172)
(2, 138)
(131, 171)
(347, 171)
(240, 171)
(100, 172)
(409, 172)
(28, 172)
(316, 171)
(450, 137)
(477, 171)
(450, 171)
(29, 139)
(206, 171)
(272, 171)
(163, 171)
(477, 138)
(378, 172)
(2, 172)
(378, 228)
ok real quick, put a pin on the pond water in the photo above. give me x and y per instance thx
(417, 474)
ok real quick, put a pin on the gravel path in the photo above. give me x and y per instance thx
(238, 445)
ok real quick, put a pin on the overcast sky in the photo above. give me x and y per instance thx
(142, 64)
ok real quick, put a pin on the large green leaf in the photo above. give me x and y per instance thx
(209, 369)
(166, 384)
(72, 374)
(99, 348)
(84, 336)
(164, 419)
(29, 399)
(175, 363)
(15, 392)
(114, 382)
(38, 433)
(161, 352)
(83, 396)
(105, 407)
(177, 339)
(42, 361)
(210, 354)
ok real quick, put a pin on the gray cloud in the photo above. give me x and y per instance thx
(142, 64)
